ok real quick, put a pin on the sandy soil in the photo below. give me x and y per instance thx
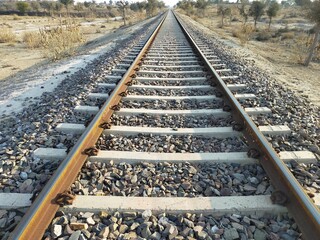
(26, 86)
(278, 60)
(16, 57)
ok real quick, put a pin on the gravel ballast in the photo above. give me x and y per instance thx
(156, 226)
(181, 82)
(172, 121)
(173, 104)
(168, 143)
(175, 92)
(171, 180)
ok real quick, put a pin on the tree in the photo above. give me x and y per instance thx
(233, 10)
(92, 6)
(138, 6)
(22, 7)
(48, 6)
(202, 4)
(134, 7)
(58, 7)
(122, 6)
(244, 10)
(87, 4)
(223, 11)
(35, 6)
(66, 3)
(256, 11)
(186, 5)
(287, 3)
(302, 2)
(151, 7)
(272, 11)
(79, 7)
(313, 13)
(161, 5)
(8, 6)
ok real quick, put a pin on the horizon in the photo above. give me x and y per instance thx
(169, 3)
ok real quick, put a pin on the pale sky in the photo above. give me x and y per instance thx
(171, 3)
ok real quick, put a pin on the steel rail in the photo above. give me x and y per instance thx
(39, 215)
(290, 192)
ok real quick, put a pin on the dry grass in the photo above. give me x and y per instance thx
(263, 35)
(7, 35)
(301, 45)
(24, 53)
(15, 17)
(32, 39)
(139, 16)
(88, 30)
(287, 35)
(57, 42)
(292, 39)
(61, 41)
(244, 34)
(90, 19)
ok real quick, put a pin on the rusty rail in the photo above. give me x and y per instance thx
(39, 216)
(289, 192)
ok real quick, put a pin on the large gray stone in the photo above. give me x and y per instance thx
(230, 234)
(75, 235)
(260, 234)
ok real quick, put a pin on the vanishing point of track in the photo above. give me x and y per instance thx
(169, 56)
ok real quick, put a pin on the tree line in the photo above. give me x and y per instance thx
(151, 7)
(256, 9)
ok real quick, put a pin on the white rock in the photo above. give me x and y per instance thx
(214, 229)
(146, 214)
(87, 215)
(90, 221)
(56, 230)
(23, 175)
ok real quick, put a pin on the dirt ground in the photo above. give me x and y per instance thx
(26, 86)
(278, 58)
(15, 56)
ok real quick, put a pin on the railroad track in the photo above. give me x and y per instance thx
(171, 131)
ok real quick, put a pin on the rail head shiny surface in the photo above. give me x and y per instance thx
(299, 204)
